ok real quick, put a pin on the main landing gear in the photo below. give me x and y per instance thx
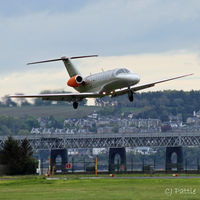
(130, 96)
(75, 105)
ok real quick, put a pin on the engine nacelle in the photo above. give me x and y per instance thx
(75, 81)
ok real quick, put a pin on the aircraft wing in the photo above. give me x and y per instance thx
(144, 86)
(61, 96)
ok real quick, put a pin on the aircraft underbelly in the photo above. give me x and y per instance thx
(116, 85)
(112, 85)
(106, 85)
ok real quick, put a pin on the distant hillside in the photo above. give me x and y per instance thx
(58, 111)
(157, 104)
(146, 105)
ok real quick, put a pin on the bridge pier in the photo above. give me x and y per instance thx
(168, 164)
(122, 153)
(64, 159)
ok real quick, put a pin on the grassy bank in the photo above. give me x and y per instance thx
(58, 111)
(62, 111)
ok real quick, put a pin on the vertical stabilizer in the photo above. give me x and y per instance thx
(71, 69)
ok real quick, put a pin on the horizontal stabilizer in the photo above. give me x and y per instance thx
(62, 58)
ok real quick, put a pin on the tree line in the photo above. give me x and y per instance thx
(156, 104)
(17, 126)
(10, 125)
(17, 158)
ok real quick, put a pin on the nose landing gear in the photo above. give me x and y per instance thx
(75, 105)
(130, 96)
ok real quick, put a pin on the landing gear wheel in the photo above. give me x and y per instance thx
(130, 96)
(75, 105)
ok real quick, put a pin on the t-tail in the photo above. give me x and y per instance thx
(71, 69)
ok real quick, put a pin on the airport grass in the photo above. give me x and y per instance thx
(32, 188)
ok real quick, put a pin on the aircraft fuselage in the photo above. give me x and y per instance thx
(108, 81)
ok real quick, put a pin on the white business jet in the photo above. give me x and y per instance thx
(113, 83)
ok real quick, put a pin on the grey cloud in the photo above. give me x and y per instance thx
(117, 27)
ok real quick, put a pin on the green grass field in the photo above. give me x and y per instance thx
(38, 188)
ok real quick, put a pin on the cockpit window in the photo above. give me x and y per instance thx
(122, 71)
(126, 71)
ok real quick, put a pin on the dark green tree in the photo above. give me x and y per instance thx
(11, 156)
(8, 102)
(28, 163)
(18, 158)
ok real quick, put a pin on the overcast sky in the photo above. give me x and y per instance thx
(155, 38)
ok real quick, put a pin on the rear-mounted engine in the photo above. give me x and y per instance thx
(75, 81)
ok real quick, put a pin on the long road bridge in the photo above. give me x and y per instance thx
(58, 143)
